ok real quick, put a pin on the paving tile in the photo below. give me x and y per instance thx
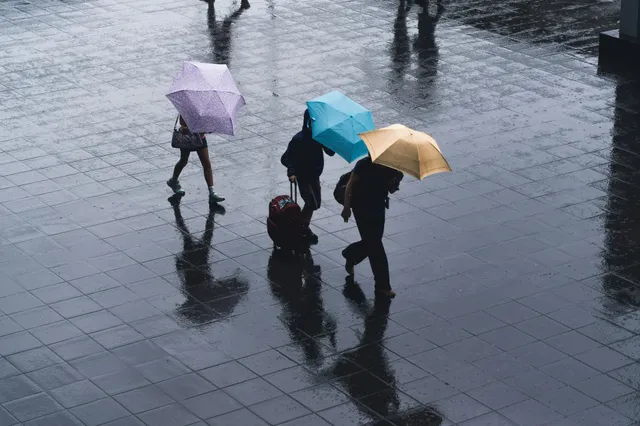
(443, 333)
(537, 354)
(253, 391)
(511, 312)
(231, 373)
(497, 395)
(533, 383)
(56, 332)
(186, 386)
(436, 361)
(604, 359)
(414, 318)
(266, 362)
(541, 327)
(17, 342)
(627, 405)
(408, 344)
(76, 348)
(320, 397)
(120, 381)
(162, 369)
(61, 418)
(96, 321)
(77, 393)
(239, 417)
(347, 415)
(573, 317)
(628, 375)
(34, 359)
(507, 338)
(279, 410)
(55, 376)
(462, 407)
(18, 303)
(31, 407)
(490, 419)
(569, 371)
(98, 364)
(118, 336)
(465, 378)
(429, 389)
(56, 293)
(128, 421)
(604, 332)
(472, 349)
(143, 399)
(572, 343)
(310, 420)
(603, 388)
(478, 323)
(169, 415)
(600, 416)
(567, 401)
(7, 369)
(629, 347)
(75, 307)
(17, 387)
(99, 412)
(530, 413)
(211, 404)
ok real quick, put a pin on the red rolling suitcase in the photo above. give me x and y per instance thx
(283, 224)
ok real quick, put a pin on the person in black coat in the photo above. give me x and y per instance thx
(304, 160)
(367, 194)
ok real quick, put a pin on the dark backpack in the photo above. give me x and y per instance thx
(341, 187)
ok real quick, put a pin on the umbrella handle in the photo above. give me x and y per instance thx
(291, 187)
(175, 125)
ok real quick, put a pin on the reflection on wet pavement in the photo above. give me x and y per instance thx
(517, 275)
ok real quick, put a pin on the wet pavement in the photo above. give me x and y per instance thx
(517, 274)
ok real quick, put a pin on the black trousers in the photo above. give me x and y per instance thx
(370, 224)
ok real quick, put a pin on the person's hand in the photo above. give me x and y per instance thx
(346, 214)
(292, 178)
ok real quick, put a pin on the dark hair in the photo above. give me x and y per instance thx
(306, 126)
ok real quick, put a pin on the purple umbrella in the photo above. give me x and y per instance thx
(207, 97)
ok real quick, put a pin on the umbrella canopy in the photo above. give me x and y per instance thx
(407, 150)
(336, 122)
(207, 98)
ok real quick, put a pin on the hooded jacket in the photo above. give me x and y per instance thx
(304, 157)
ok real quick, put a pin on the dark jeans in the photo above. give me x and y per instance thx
(371, 227)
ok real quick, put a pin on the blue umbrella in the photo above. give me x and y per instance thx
(337, 121)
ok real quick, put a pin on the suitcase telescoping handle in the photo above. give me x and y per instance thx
(294, 194)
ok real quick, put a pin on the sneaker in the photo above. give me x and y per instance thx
(215, 198)
(175, 186)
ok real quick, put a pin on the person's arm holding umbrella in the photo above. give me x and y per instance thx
(327, 151)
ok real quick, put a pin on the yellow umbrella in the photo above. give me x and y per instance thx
(401, 148)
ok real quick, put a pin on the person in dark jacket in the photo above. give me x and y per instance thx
(367, 194)
(304, 160)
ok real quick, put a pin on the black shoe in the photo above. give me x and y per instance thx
(217, 209)
(310, 237)
(174, 200)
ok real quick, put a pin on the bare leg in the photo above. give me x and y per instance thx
(203, 154)
(181, 164)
